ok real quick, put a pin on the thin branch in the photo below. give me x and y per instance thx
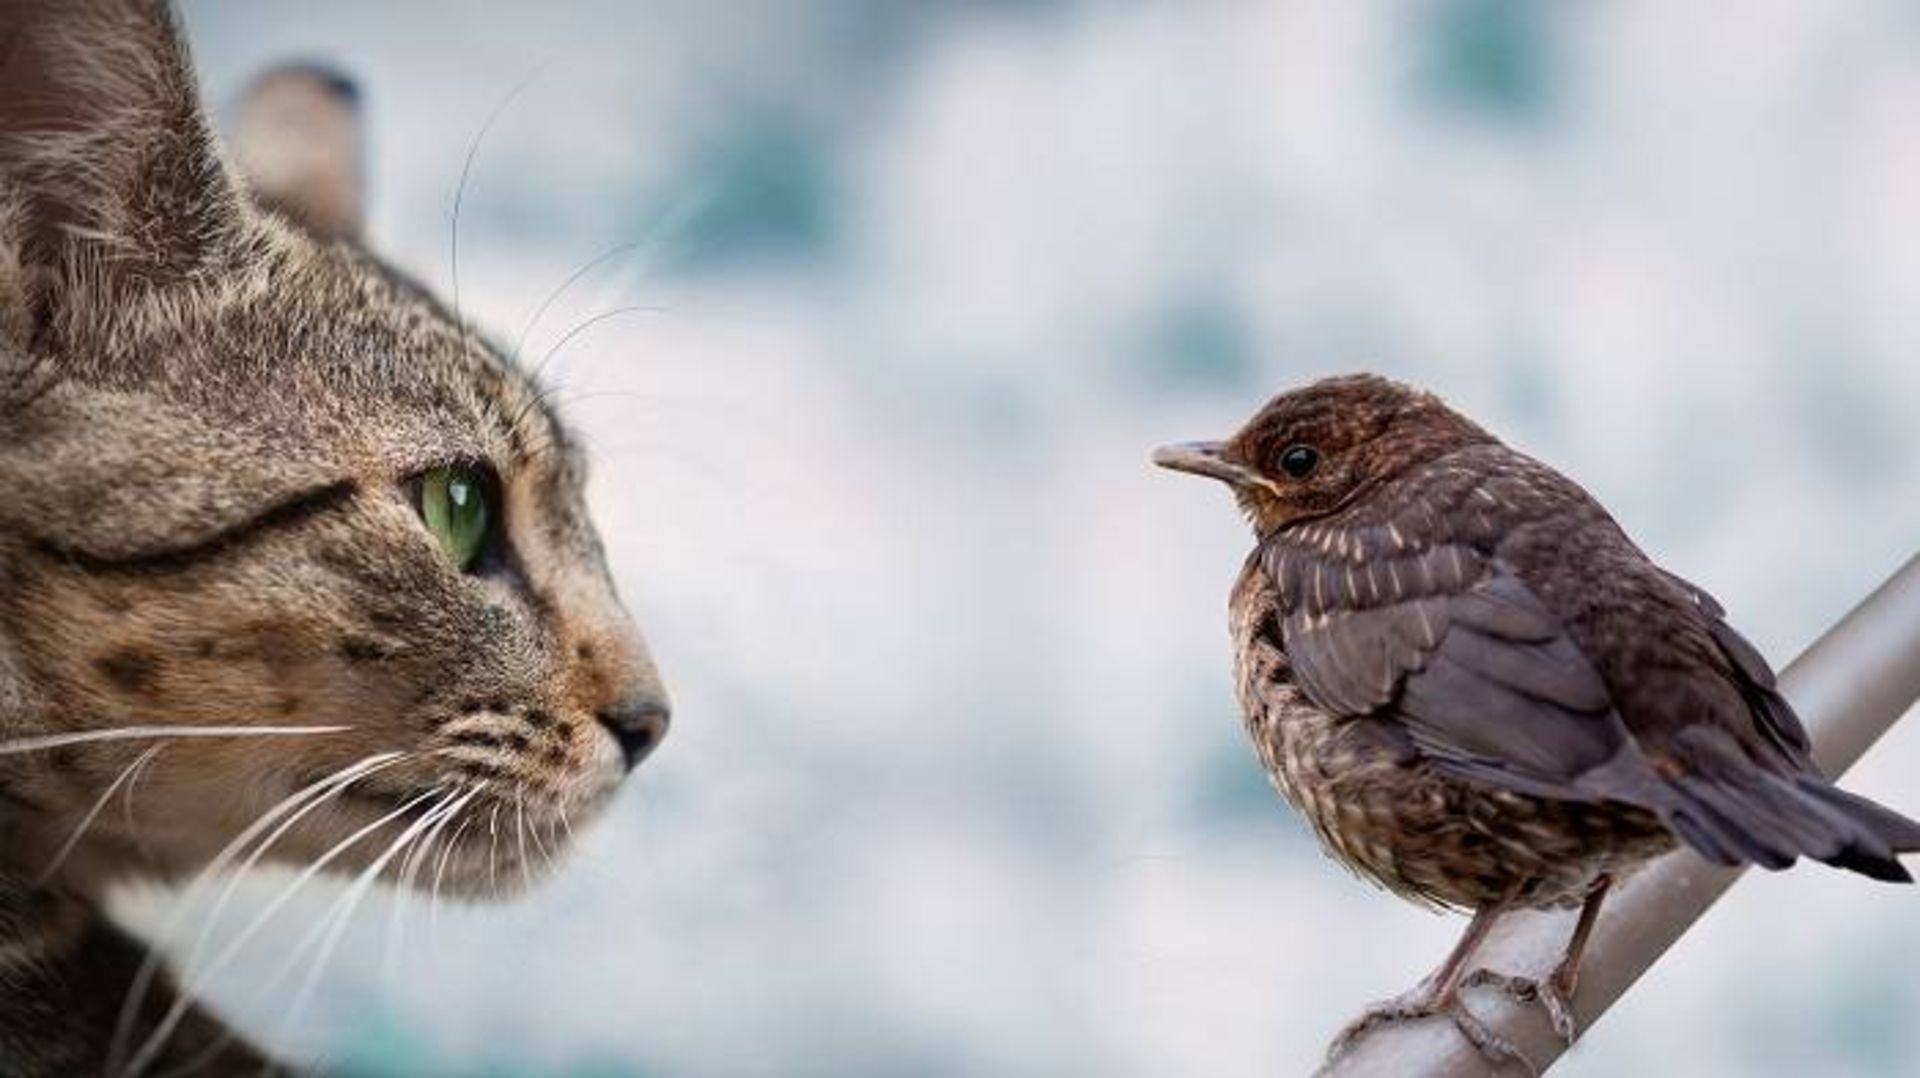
(1849, 688)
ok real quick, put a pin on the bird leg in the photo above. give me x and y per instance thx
(1556, 995)
(1439, 996)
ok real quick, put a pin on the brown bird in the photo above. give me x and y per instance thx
(1484, 696)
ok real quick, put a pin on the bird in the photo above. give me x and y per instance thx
(1483, 696)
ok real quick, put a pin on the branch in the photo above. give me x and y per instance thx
(1849, 687)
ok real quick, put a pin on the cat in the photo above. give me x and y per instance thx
(293, 564)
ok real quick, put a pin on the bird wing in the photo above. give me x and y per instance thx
(1773, 717)
(1429, 629)
(1450, 643)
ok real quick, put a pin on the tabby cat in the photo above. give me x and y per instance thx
(293, 565)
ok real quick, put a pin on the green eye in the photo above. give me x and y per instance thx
(455, 502)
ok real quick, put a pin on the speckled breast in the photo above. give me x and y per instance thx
(1380, 810)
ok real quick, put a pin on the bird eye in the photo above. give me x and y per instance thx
(456, 503)
(1298, 460)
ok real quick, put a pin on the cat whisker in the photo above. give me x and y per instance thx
(126, 805)
(541, 394)
(520, 839)
(460, 191)
(439, 873)
(533, 320)
(134, 733)
(341, 784)
(493, 844)
(434, 836)
(585, 325)
(311, 939)
(304, 800)
(73, 840)
(533, 830)
(409, 871)
(667, 218)
(341, 914)
(641, 403)
(150, 1049)
(553, 838)
(583, 857)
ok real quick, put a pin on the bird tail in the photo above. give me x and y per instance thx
(1898, 834)
(1770, 819)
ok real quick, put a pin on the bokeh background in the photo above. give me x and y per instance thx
(906, 292)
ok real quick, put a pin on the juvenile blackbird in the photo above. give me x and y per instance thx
(1484, 696)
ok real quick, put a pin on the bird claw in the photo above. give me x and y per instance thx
(1552, 995)
(1421, 1003)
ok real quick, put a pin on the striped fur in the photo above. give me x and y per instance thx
(212, 416)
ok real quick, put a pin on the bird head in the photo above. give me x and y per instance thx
(1315, 450)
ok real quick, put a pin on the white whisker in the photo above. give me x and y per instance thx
(340, 783)
(520, 839)
(73, 840)
(313, 793)
(126, 806)
(191, 990)
(336, 920)
(493, 844)
(442, 815)
(134, 733)
(440, 872)
(533, 829)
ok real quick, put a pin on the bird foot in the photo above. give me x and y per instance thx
(1552, 995)
(1423, 1002)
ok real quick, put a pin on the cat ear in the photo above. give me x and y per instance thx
(109, 174)
(298, 143)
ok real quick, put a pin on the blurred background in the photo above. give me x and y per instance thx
(900, 297)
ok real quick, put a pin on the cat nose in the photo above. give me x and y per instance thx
(638, 723)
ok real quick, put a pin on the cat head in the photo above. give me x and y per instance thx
(251, 478)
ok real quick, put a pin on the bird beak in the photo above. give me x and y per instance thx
(1205, 458)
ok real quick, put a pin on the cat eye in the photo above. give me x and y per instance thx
(456, 502)
(1298, 460)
